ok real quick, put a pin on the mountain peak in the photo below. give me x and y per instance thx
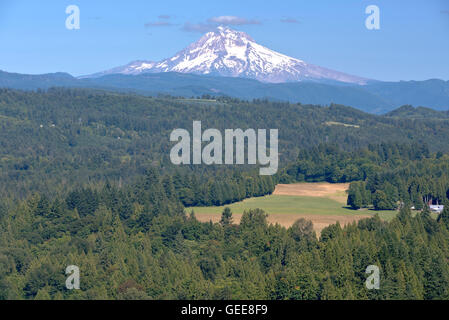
(228, 52)
(227, 32)
(223, 28)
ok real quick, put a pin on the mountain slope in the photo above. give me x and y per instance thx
(188, 85)
(432, 93)
(31, 82)
(374, 98)
(230, 53)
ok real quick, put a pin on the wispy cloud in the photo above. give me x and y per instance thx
(232, 21)
(158, 24)
(214, 22)
(163, 21)
(198, 27)
(289, 20)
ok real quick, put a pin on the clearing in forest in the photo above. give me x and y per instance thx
(321, 203)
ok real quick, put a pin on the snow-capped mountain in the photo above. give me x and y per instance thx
(227, 52)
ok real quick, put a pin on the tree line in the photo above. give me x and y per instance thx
(60, 139)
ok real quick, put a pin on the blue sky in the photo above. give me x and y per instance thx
(412, 43)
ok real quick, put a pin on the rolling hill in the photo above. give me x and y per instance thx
(379, 97)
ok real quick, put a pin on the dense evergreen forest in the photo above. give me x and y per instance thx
(384, 176)
(85, 180)
(61, 139)
(137, 243)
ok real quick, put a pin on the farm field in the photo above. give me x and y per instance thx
(322, 203)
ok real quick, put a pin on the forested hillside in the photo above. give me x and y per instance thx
(60, 139)
(137, 243)
(86, 180)
(384, 176)
(408, 111)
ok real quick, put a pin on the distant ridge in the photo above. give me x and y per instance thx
(409, 112)
(379, 97)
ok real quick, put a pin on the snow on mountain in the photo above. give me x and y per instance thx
(133, 68)
(226, 52)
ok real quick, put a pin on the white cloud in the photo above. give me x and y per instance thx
(289, 20)
(198, 27)
(232, 20)
(158, 24)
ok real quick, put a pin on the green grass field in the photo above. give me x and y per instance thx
(292, 206)
(280, 204)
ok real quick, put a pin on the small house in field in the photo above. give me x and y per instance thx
(436, 208)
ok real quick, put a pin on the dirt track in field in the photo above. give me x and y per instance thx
(334, 191)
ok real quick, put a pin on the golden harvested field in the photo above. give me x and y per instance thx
(335, 191)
